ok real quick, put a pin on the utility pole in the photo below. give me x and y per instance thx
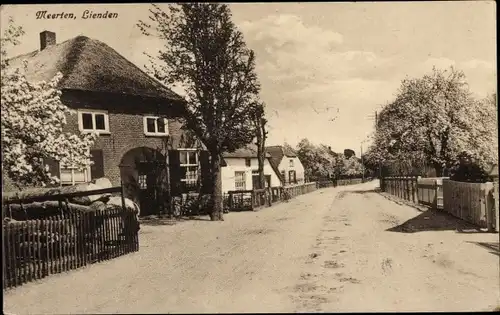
(362, 164)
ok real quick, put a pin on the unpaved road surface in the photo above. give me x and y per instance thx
(336, 249)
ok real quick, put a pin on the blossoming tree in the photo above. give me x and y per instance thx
(433, 120)
(33, 118)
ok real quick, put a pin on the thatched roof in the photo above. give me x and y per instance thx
(277, 153)
(249, 151)
(90, 65)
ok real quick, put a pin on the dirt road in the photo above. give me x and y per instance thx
(325, 251)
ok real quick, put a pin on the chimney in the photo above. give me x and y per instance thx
(47, 39)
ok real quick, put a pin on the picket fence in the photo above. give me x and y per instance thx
(35, 249)
(238, 200)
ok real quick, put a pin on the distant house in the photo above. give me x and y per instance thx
(240, 170)
(288, 164)
(138, 120)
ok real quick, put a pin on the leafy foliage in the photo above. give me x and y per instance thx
(318, 161)
(33, 119)
(350, 167)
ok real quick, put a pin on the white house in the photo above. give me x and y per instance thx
(287, 163)
(240, 170)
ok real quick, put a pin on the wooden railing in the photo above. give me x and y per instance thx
(238, 200)
(296, 190)
(34, 249)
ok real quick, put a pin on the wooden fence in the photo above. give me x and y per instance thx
(404, 187)
(325, 183)
(296, 190)
(426, 191)
(473, 202)
(476, 203)
(342, 182)
(351, 181)
(430, 192)
(34, 249)
(240, 200)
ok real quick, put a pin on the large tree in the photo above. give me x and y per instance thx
(350, 166)
(206, 55)
(260, 123)
(33, 119)
(432, 120)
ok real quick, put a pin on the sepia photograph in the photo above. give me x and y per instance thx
(272, 157)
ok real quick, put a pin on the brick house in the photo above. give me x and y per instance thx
(141, 143)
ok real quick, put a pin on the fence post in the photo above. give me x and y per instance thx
(490, 206)
(397, 186)
(44, 247)
(495, 208)
(414, 189)
(434, 202)
(408, 188)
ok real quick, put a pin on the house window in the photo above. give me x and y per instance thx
(141, 181)
(155, 126)
(292, 177)
(189, 167)
(239, 181)
(248, 162)
(71, 176)
(93, 121)
(283, 175)
(291, 163)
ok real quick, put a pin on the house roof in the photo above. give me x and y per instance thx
(249, 151)
(90, 65)
(278, 152)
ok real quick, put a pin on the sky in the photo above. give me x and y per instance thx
(325, 68)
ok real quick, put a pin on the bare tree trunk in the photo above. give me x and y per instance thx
(439, 169)
(217, 208)
(261, 155)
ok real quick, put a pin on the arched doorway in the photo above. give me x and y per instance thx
(144, 176)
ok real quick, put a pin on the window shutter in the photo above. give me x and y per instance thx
(53, 167)
(206, 181)
(97, 168)
(255, 181)
(175, 172)
(268, 180)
